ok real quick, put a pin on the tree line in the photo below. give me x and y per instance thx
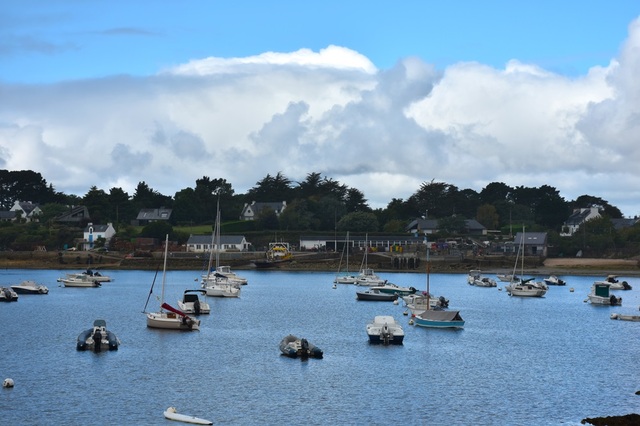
(318, 203)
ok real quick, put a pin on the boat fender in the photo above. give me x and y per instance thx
(8, 383)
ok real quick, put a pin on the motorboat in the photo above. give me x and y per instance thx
(375, 296)
(554, 280)
(220, 286)
(7, 294)
(614, 283)
(89, 273)
(601, 295)
(368, 278)
(172, 414)
(624, 317)
(278, 252)
(191, 302)
(475, 277)
(418, 303)
(30, 287)
(439, 319)
(385, 330)
(79, 281)
(295, 347)
(225, 271)
(507, 278)
(97, 338)
(168, 317)
(395, 289)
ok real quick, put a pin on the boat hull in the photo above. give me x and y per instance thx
(439, 319)
(385, 330)
(171, 414)
(635, 318)
(372, 296)
(171, 321)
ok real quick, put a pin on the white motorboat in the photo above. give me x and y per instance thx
(475, 277)
(30, 287)
(225, 271)
(172, 414)
(554, 280)
(384, 329)
(191, 303)
(79, 281)
(368, 278)
(623, 317)
(168, 317)
(7, 294)
(614, 283)
(507, 278)
(600, 295)
(395, 289)
(97, 338)
(418, 303)
(89, 273)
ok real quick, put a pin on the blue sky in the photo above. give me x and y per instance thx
(378, 95)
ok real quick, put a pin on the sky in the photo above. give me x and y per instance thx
(380, 96)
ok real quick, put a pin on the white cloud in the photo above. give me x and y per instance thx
(381, 131)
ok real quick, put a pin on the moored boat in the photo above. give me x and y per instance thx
(384, 329)
(79, 281)
(439, 319)
(554, 280)
(375, 296)
(172, 414)
(191, 303)
(295, 347)
(624, 317)
(30, 287)
(7, 294)
(395, 289)
(614, 283)
(600, 295)
(97, 338)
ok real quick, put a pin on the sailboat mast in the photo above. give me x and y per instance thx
(428, 274)
(164, 269)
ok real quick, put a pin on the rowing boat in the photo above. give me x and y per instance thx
(172, 414)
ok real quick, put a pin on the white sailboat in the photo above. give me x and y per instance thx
(168, 317)
(367, 276)
(216, 284)
(345, 278)
(519, 286)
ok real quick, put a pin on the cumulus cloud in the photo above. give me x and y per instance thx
(381, 131)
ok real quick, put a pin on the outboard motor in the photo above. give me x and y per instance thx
(626, 285)
(97, 341)
(196, 307)
(385, 334)
(304, 348)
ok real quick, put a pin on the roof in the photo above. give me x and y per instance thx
(624, 223)
(206, 239)
(531, 238)
(7, 215)
(470, 224)
(154, 214)
(97, 228)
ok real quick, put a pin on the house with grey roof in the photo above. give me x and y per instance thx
(535, 243)
(423, 226)
(93, 232)
(7, 216)
(228, 243)
(76, 215)
(26, 210)
(146, 216)
(251, 211)
(577, 218)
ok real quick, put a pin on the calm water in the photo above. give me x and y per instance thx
(554, 360)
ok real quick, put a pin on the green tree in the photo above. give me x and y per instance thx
(487, 216)
(359, 222)
(97, 202)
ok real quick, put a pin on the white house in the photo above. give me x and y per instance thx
(93, 232)
(577, 218)
(27, 210)
(251, 211)
(203, 243)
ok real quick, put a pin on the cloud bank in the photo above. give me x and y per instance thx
(381, 131)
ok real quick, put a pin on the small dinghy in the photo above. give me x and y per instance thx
(172, 414)
(97, 338)
(293, 347)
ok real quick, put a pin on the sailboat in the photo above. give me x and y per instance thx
(367, 276)
(436, 318)
(168, 317)
(346, 278)
(215, 283)
(519, 286)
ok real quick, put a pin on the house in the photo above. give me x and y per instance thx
(146, 216)
(26, 210)
(577, 218)
(203, 243)
(93, 232)
(75, 215)
(251, 211)
(7, 216)
(535, 243)
(430, 226)
(623, 223)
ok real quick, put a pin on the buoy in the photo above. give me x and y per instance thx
(334, 286)
(411, 321)
(571, 289)
(395, 302)
(8, 383)
(499, 288)
(405, 313)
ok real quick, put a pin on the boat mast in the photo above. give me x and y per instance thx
(164, 270)
(428, 274)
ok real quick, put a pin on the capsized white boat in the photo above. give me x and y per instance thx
(172, 414)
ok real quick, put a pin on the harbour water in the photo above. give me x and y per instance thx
(518, 361)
